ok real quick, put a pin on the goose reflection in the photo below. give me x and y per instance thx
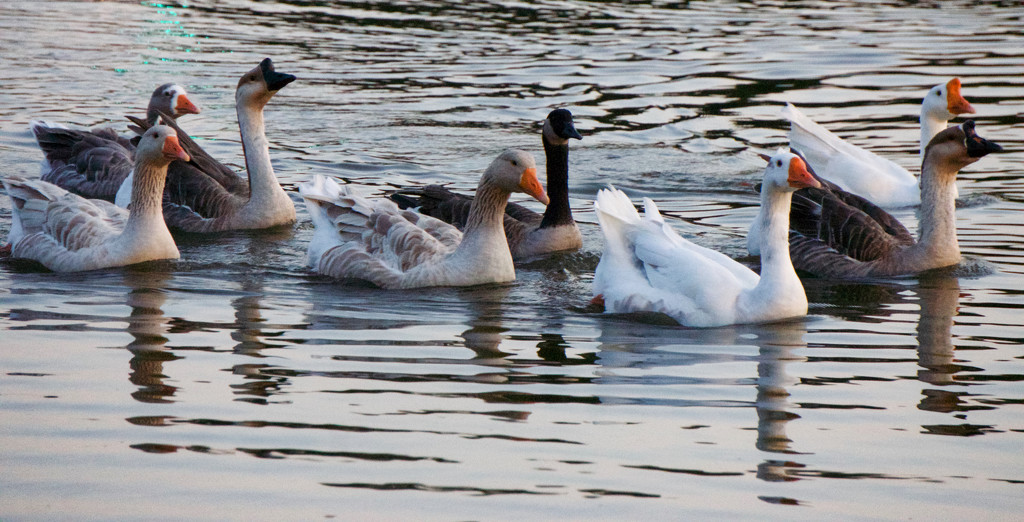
(485, 332)
(148, 326)
(635, 344)
(939, 299)
(774, 411)
(250, 329)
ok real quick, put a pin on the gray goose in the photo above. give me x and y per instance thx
(838, 235)
(94, 163)
(68, 233)
(373, 240)
(529, 233)
(204, 195)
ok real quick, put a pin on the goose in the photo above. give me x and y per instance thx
(529, 233)
(204, 195)
(93, 163)
(840, 235)
(647, 267)
(375, 241)
(866, 174)
(68, 233)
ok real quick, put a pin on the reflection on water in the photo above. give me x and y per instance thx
(774, 411)
(255, 386)
(148, 325)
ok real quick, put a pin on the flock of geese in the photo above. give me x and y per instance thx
(104, 201)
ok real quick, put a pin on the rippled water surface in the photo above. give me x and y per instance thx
(235, 384)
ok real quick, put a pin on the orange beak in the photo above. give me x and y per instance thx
(172, 149)
(799, 177)
(185, 106)
(955, 102)
(531, 185)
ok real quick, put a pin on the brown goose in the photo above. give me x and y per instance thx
(68, 233)
(204, 195)
(839, 235)
(94, 163)
(529, 233)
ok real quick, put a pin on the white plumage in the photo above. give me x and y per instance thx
(862, 172)
(647, 266)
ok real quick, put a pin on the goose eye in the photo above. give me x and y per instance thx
(778, 163)
(938, 93)
(252, 77)
(515, 163)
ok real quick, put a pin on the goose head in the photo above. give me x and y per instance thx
(955, 148)
(159, 146)
(256, 87)
(558, 127)
(515, 171)
(786, 172)
(169, 98)
(944, 101)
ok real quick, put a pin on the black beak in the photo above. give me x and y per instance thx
(275, 81)
(570, 132)
(976, 145)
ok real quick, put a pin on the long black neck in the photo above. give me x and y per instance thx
(558, 211)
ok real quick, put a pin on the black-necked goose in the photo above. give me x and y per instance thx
(375, 241)
(529, 233)
(205, 195)
(862, 172)
(68, 233)
(94, 163)
(838, 235)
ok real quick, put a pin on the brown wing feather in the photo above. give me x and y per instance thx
(451, 207)
(814, 256)
(92, 164)
(201, 162)
(847, 223)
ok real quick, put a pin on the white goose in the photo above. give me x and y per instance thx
(94, 163)
(374, 240)
(864, 173)
(205, 195)
(68, 233)
(648, 267)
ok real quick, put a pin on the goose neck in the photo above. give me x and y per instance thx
(558, 211)
(256, 148)
(776, 267)
(937, 213)
(930, 126)
(487, 210)
(147, 195)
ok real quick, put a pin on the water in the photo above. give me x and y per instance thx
(234, 384)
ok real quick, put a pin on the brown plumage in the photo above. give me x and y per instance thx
(94, 163)
(839, 235)
(204, 195)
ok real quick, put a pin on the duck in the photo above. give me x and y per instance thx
(529, 233)
(68, 233)
(204, 195)
(94, 163)
(864, 173)
(646, 266)
(373, 240)
(840, 235)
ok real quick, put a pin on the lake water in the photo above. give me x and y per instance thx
(235, 384)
